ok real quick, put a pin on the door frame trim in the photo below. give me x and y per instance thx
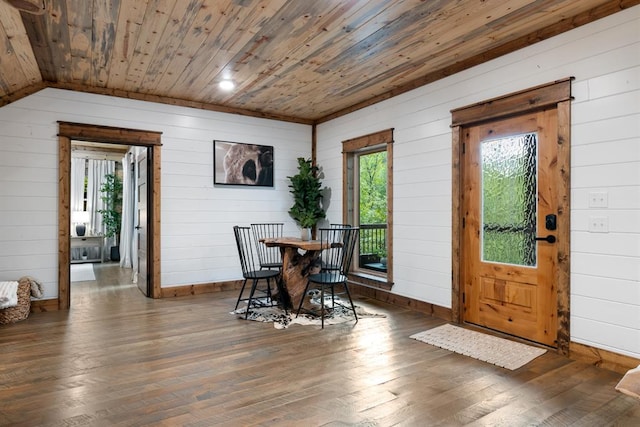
(85, 132)
(552, 95)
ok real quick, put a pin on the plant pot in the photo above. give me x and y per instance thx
(115, 253)
(305, 234)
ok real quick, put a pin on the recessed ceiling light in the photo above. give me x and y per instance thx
(36, 7)
(227, 84)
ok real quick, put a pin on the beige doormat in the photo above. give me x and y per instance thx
(630, 383)
(498, 351)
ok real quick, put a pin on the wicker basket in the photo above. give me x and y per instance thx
(20, 311)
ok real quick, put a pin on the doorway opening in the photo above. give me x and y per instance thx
(148, 143)
(108, 213)
(510, 194)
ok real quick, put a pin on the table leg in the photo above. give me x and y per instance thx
(295, 269)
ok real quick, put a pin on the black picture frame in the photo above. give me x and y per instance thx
(237, 163)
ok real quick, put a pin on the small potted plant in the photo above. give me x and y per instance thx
(383, 256)
(307, 207)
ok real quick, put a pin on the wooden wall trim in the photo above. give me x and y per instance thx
(200, 288)
(176, 102)
(349, 148)
(64, 222)
(314, 144)
(106, 134)
(370, 280)
(154, 223)
(602, 358)
(22, 93)
(515, 103)
(456, 226)
(402, 301)
(390, 210)
(370, 140)
(45, 305)
(564, 233)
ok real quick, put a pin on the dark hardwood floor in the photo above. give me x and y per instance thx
(118, 358)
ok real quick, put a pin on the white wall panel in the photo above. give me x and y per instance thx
(607, 289)
(622, 244)
(197, 243)
(620, 82)
(627, 197)
(608, 336)
(619, 221)
(617, 105)
(604, 311)
(604, 265)
(606, 152)
(603, 58)
(624, 127)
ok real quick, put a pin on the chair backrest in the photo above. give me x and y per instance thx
(339, 245)
(246, 250)
(268, 256)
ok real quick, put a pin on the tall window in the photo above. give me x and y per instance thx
(367, 196)
(372, 203)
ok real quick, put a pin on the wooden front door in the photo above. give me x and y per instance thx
(510, 227)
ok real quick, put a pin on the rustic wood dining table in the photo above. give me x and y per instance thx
(299, 259)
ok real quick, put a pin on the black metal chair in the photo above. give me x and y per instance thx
(251, 270)
(339, 243)
(327, 256)
(269, 257)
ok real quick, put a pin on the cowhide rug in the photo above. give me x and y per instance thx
(339, 314)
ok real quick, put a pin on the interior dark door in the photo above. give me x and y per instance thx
(142, 224)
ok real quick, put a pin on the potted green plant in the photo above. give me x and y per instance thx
(383, 256)
(307, 207)
(111, 190)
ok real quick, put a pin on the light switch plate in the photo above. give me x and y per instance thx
(598, 224)
(598, 199)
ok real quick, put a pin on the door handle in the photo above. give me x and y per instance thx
(548, 239)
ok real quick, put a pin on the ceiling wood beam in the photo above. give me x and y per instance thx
(37, 31)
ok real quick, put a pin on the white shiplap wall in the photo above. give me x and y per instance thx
(604, 58)
(197, 243)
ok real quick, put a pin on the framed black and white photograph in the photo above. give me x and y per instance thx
(235, 163)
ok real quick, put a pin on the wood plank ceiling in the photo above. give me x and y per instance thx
(297, 60)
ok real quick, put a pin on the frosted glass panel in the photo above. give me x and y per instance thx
(509, 192)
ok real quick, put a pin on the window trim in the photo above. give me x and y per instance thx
(351, 148)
